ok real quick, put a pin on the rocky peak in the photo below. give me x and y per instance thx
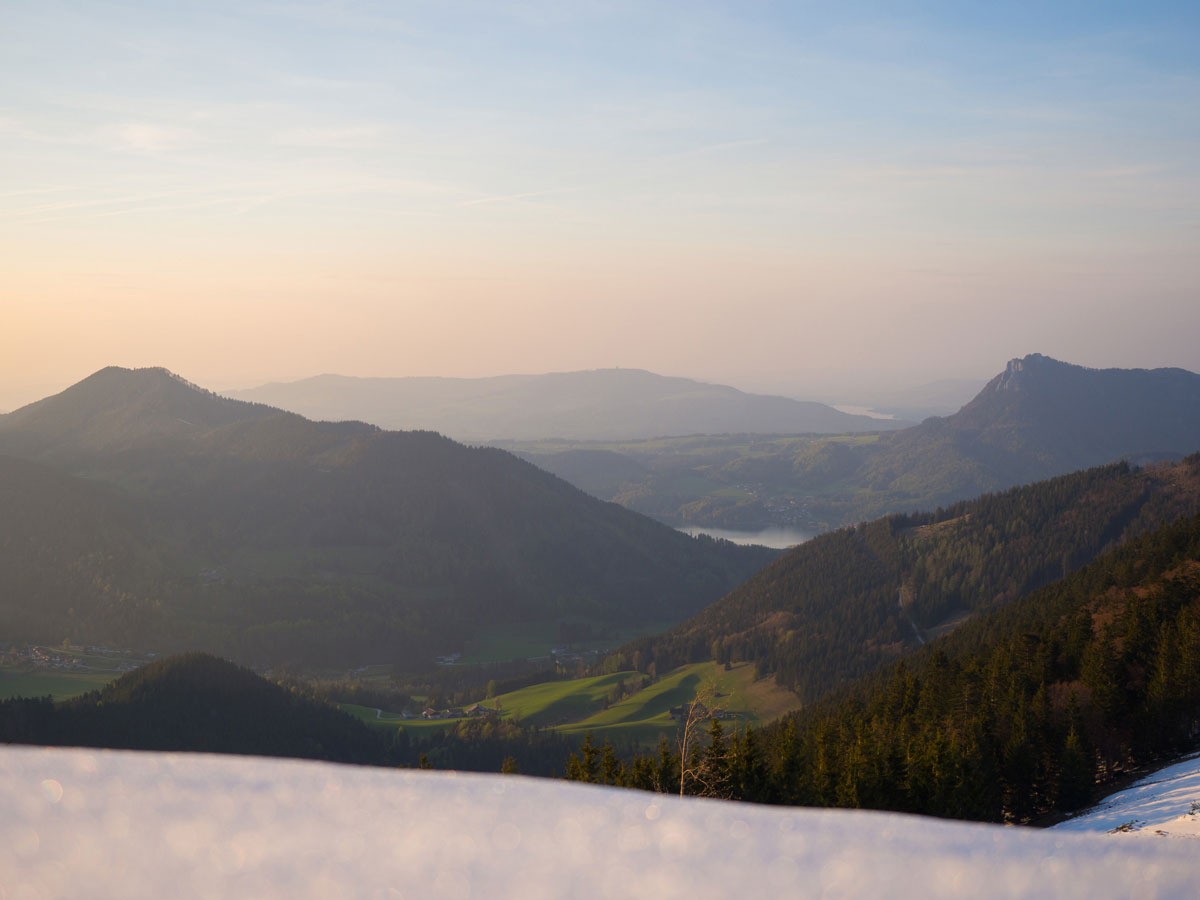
(1019, 373)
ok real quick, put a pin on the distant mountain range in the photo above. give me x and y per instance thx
(604, 404)
(141, 509)
(1037, 419)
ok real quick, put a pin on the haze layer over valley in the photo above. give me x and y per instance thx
(608, 404)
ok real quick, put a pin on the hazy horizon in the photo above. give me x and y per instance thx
(817, 203)
(26, 394)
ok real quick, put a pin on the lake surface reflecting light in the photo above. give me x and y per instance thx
(779, 537)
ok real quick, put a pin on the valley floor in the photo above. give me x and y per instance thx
(577, 707)
(126, 824)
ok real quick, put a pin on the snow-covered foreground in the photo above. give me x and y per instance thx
(1165, 803)
(119, 824)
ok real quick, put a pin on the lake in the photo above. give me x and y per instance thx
(779, 537)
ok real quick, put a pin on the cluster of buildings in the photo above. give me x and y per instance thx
(45, 657)
(470, 712)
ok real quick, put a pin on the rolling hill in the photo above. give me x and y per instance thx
(199, 703)
(268, 537)
(604, 404)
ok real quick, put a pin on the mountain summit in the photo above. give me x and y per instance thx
(117, 408)
(1039, 418)
(1020, 373)
(1066, 417)
(602, 404)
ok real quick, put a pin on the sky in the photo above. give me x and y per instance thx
(815, 199)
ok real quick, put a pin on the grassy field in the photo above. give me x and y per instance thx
(546, 704)
(40, 682)
(557, 703)
(643, 717)
(576, 707)
(96, 668)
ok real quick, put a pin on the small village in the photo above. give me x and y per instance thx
(73, 658)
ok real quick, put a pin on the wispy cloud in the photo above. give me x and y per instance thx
(18, 129)
(724, 146)
(347, 137)
(500, 198)
(147, 137)
(44, 208)
(338, 16)
(28, 192)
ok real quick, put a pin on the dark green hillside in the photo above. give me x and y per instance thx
(601, 473)
(272, 538)
(848, 601)
(75, 557)
(1027, 710)
(199, 703)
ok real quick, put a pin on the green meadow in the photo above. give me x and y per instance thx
(578, 706)
(38, 682)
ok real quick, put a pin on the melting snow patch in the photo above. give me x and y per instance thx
(1165, 803)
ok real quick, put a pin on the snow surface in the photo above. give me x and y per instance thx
(91, 823)
(1165, 803)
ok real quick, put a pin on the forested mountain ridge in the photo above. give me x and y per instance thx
(1024, 711)
(846, 602)
(274, 538)
(603, 404)
(1028, 710)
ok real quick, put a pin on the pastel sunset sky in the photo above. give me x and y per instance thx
(814, 199)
